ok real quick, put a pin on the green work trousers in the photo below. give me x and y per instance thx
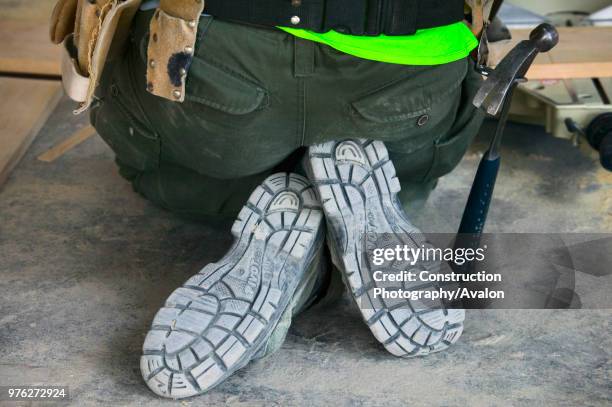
(255, 97)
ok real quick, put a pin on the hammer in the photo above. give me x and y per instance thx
(494, 97)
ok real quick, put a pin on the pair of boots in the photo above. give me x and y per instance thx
(239, 308)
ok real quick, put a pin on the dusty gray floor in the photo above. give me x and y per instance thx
(85, 263)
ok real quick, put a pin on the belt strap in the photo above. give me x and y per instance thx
(355, 17)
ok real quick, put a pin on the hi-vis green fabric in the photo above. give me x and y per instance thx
(433, 46)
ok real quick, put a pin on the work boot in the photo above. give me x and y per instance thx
(357, 186)
(239, 308)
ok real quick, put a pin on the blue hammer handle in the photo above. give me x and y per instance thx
(479, 200)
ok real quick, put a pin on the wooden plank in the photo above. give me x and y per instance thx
(26, 48)
(583, 52)
(31, 10)
(71, 142)
(24, 108)
(571, 70)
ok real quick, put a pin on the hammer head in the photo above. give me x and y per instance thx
(501, 81)
(545, 37)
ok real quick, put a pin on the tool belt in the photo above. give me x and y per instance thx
(93, 31)
(355, 17)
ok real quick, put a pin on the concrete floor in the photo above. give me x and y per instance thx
(85, 263)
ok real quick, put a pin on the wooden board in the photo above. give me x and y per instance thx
(24, 108)
(26, 48)
(24, 29)
(32, 10)
(583, 52)
(68, 144)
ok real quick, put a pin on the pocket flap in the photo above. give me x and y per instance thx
(412, 97)
(216, 87)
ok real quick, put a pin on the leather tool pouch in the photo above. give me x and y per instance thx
(172, 41)
(91, 33)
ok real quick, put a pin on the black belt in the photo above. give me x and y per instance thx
(356, 17)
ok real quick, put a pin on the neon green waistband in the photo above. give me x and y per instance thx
(432, 46)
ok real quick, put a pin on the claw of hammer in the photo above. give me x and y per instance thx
(496, 89)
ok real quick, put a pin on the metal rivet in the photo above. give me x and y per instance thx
(189, 49)
(183, 71)
(177, 94)
(296, 3)
(192, 24)
(295, 20)
(131, 131)
(152, 63)
(422, 121)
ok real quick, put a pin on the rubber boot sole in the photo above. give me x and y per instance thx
(358, 187)
(218, 320)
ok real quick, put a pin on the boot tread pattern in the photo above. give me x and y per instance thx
(214, 324)
(358, 187)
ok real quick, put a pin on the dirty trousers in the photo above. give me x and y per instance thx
(256, 97)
